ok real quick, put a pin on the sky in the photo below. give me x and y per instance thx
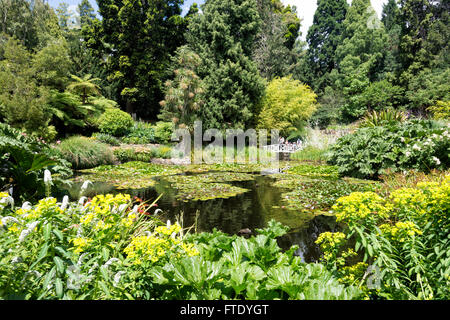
(305, 9)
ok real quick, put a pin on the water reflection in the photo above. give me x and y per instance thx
(251, 210)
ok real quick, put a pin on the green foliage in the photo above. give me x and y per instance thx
(238, 268)
(323, 37)
(140, 133)
(105, 250)
(106, 138)
(68, 114)
(23, 161)
(87, 14)
(416, 144)
(115, 122)
(423, 51)
(390, 17)
(69, 250)
(427, 87)
(52, 64)
(32, 22)
(379, 95)
(360, 55)
(310, 153)
(84, 152)
(163, 132)
(441, 110)
(142, 154)
(21, 98)
(85, 87)
(404, 237)
(138, 37)
(224, 37)
(388, 117)
(183, 95)
(286, 106)
(329, 111)
(275, 40)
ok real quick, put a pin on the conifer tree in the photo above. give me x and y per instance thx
(86, 11)
(323, 38)
(360, 55)
(223, 37)
(137, 37)
(391, 20)
(424, 52)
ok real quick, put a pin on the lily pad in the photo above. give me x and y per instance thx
(130, 175)
(319, 195)
(207, 191)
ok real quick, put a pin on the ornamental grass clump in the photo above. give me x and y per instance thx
(85, 153)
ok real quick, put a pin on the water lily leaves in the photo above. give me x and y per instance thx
(208, 185)
(130, 175)
(206, 191)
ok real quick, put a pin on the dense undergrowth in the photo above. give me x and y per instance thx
(109, 247)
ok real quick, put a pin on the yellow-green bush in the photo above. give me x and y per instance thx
(115, 122)
(286, 106)
(441, 110)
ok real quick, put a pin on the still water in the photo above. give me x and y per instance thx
(252, 210)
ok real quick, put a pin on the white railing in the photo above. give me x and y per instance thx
(284, 147)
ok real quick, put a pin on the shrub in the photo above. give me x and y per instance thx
(140, 133)
(369, 152)
(85, 153)
(163, 132)
(104, 249)
(404, 235)
(441, 110)
(115, 122)
(144, 154)
(383, 117)
(287, 105)
(106, 138)
(23, 160)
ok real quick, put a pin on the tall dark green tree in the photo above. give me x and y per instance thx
(137, 37)
(323, 37)
(86, 12)
(416, 18)
(424, 51)
(360, 55)
(390, 17)
(32, 22)
(224, 38)
(273, 49)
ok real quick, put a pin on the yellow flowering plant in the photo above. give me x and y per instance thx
(164, 242)
(54, 249)
(405, 235)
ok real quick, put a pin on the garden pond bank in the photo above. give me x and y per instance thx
(233, 197)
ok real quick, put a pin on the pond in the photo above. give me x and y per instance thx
(243, 200)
